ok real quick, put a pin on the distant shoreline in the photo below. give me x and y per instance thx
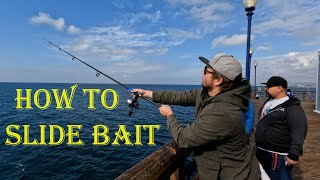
(293, 86)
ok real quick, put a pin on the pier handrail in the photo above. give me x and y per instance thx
(161, 164)
(301, 94)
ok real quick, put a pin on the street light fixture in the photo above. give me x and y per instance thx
(250, 55)
(250, 6)
(255, 78)
(251, 50)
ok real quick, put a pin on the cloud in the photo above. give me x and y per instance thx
(299, 68)
(139, 66)
(233, 40)
(300, 19)
(187, 2)
(44, 18)
(132, 6)
(131, 19)
(312, 42)
(58, 24)
(159, 51)
(117, 42)
(205, 15)
(264, 48)
(81, 46)
(147, 6)
(73, 30)
(202, 16)
(178, 36)
(210, 12)
(272, 24)
(123, 36)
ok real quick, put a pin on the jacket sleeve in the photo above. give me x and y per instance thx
(182, 98)
(207, 129)
(297, 123)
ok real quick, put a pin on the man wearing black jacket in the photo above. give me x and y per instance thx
(281, 130)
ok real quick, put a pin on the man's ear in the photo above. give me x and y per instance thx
(283, 89)
(217, 82)
(280, 89)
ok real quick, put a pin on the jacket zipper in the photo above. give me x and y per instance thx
(281, 109)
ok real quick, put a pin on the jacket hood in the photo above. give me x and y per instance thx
(239, 96)
(292, 101)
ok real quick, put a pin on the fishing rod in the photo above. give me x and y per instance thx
(132, 103)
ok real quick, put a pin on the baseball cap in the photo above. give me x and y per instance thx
(224, 64)
(276, 81)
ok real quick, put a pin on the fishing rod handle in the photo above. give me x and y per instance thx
(145, 98)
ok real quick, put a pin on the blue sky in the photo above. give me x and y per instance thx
(155, 42)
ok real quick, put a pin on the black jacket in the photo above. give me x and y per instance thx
(283, 129)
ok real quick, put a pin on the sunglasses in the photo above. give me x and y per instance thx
(205, 71)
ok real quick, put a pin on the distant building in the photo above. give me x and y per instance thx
(317, 110)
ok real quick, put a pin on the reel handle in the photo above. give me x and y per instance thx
(133, 103)
(135, 93)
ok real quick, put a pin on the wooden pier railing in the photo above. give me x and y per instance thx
(165, 163)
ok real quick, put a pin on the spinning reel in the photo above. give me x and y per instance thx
(133, 103)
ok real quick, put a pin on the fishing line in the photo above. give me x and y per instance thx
(132, 103)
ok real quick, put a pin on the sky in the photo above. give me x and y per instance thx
(155, 41)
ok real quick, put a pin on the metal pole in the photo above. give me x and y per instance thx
(318, 87)
(248, 60)
(255, 80)
(250, 55)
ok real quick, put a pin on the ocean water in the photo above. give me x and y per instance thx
(87, 161)
(79, 162)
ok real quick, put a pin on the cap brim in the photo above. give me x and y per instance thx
(204, 60)
(268, 84)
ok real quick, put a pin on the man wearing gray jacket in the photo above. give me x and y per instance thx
(217, 136)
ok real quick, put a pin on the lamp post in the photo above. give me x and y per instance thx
(255, 78)
(250, 6)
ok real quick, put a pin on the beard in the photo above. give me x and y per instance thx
(202, 83)
(205, 85)
(268, 95)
